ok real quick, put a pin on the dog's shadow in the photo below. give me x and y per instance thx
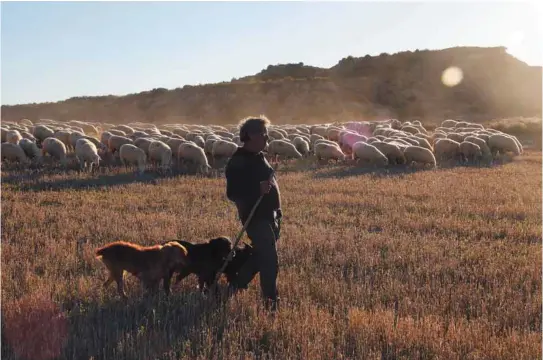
(144, 327)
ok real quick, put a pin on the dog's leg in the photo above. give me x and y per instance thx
(181, 275)
(108, 281)
(120, 285)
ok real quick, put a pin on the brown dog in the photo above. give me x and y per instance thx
(150, 264)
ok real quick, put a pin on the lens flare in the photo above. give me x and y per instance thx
(452, 76)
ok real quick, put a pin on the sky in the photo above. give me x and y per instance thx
(51, 51)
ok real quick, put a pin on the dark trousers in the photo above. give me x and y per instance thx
(263, 235)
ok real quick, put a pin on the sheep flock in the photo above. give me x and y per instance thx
(201, 148)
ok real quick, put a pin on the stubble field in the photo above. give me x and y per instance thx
(441, 264)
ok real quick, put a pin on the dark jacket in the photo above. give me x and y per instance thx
(244, 172)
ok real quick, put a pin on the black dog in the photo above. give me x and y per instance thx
(205, 260)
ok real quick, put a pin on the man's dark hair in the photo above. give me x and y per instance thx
(252, 125)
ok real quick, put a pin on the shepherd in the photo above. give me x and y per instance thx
(249, 176)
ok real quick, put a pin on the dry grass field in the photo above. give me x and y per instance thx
(440, 264)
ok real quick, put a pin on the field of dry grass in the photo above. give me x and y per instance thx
(441, 264)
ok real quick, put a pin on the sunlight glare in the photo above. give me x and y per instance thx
(452, 76)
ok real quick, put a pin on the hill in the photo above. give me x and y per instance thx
(403, 85)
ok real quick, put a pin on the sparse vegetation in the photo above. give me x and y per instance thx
(441, 264)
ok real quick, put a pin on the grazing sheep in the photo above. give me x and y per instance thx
(144, 143)
(485, 150)
(446, 149)
(42, 132)
(369, 153)
(192, 154)
(115, 142)
(160, 152)
(327, 151)
(223, 149)
(392, 151)
(283, 148)
(13, 152)
(87, 153)
(301, 145)
(13, 136)
(56, 149)
(502, 143)
(31, 149)
(470, 151)
(132, 155)
(418, 154)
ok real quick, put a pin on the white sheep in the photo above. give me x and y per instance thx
(223, 149)
(31, 149)
(446, 149)
(87, 153)
(485, 150)
(419, 154)
(392, 151)
(191, 154)
(13, 136)
(56, 149)
(470, 151)
(13, 152)
(369, 153)
(115, 142)
(348, 139)
(132, 155)
(283, 148)
(503, 143)
(42, 132)
(143, 143)
(301, 145)
(327, 151)
(160, 152)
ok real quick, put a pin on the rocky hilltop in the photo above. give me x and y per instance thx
(404, 85)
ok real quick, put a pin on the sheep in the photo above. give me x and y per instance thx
(31, 149)
(485, 150)
(301, 145)
(347, 140)
(192, 154)
(13, 136)
(446, 149)
(131, 154)
(42, 132)
(392, 151)
(160, 152)
(327, 151)
(223, 149)
(419, 154)
(449, 123)
(115, 142)
(503, 143)
(143, 143)
(369, 153)
(410, 129)
(283, 148)
(86, 152)
(74, 136)
(13, 152)
(470, 151)
(55, 148)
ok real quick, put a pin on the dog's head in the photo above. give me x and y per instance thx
(175, 254)
(220, 247)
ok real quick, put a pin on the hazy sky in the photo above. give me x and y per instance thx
(54, 51)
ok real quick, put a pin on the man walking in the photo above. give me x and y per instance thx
(248, 176)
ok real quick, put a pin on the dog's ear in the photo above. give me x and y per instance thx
(175, 254)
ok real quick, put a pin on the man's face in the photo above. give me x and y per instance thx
(259, 139)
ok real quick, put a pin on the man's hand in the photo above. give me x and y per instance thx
(265, 187)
